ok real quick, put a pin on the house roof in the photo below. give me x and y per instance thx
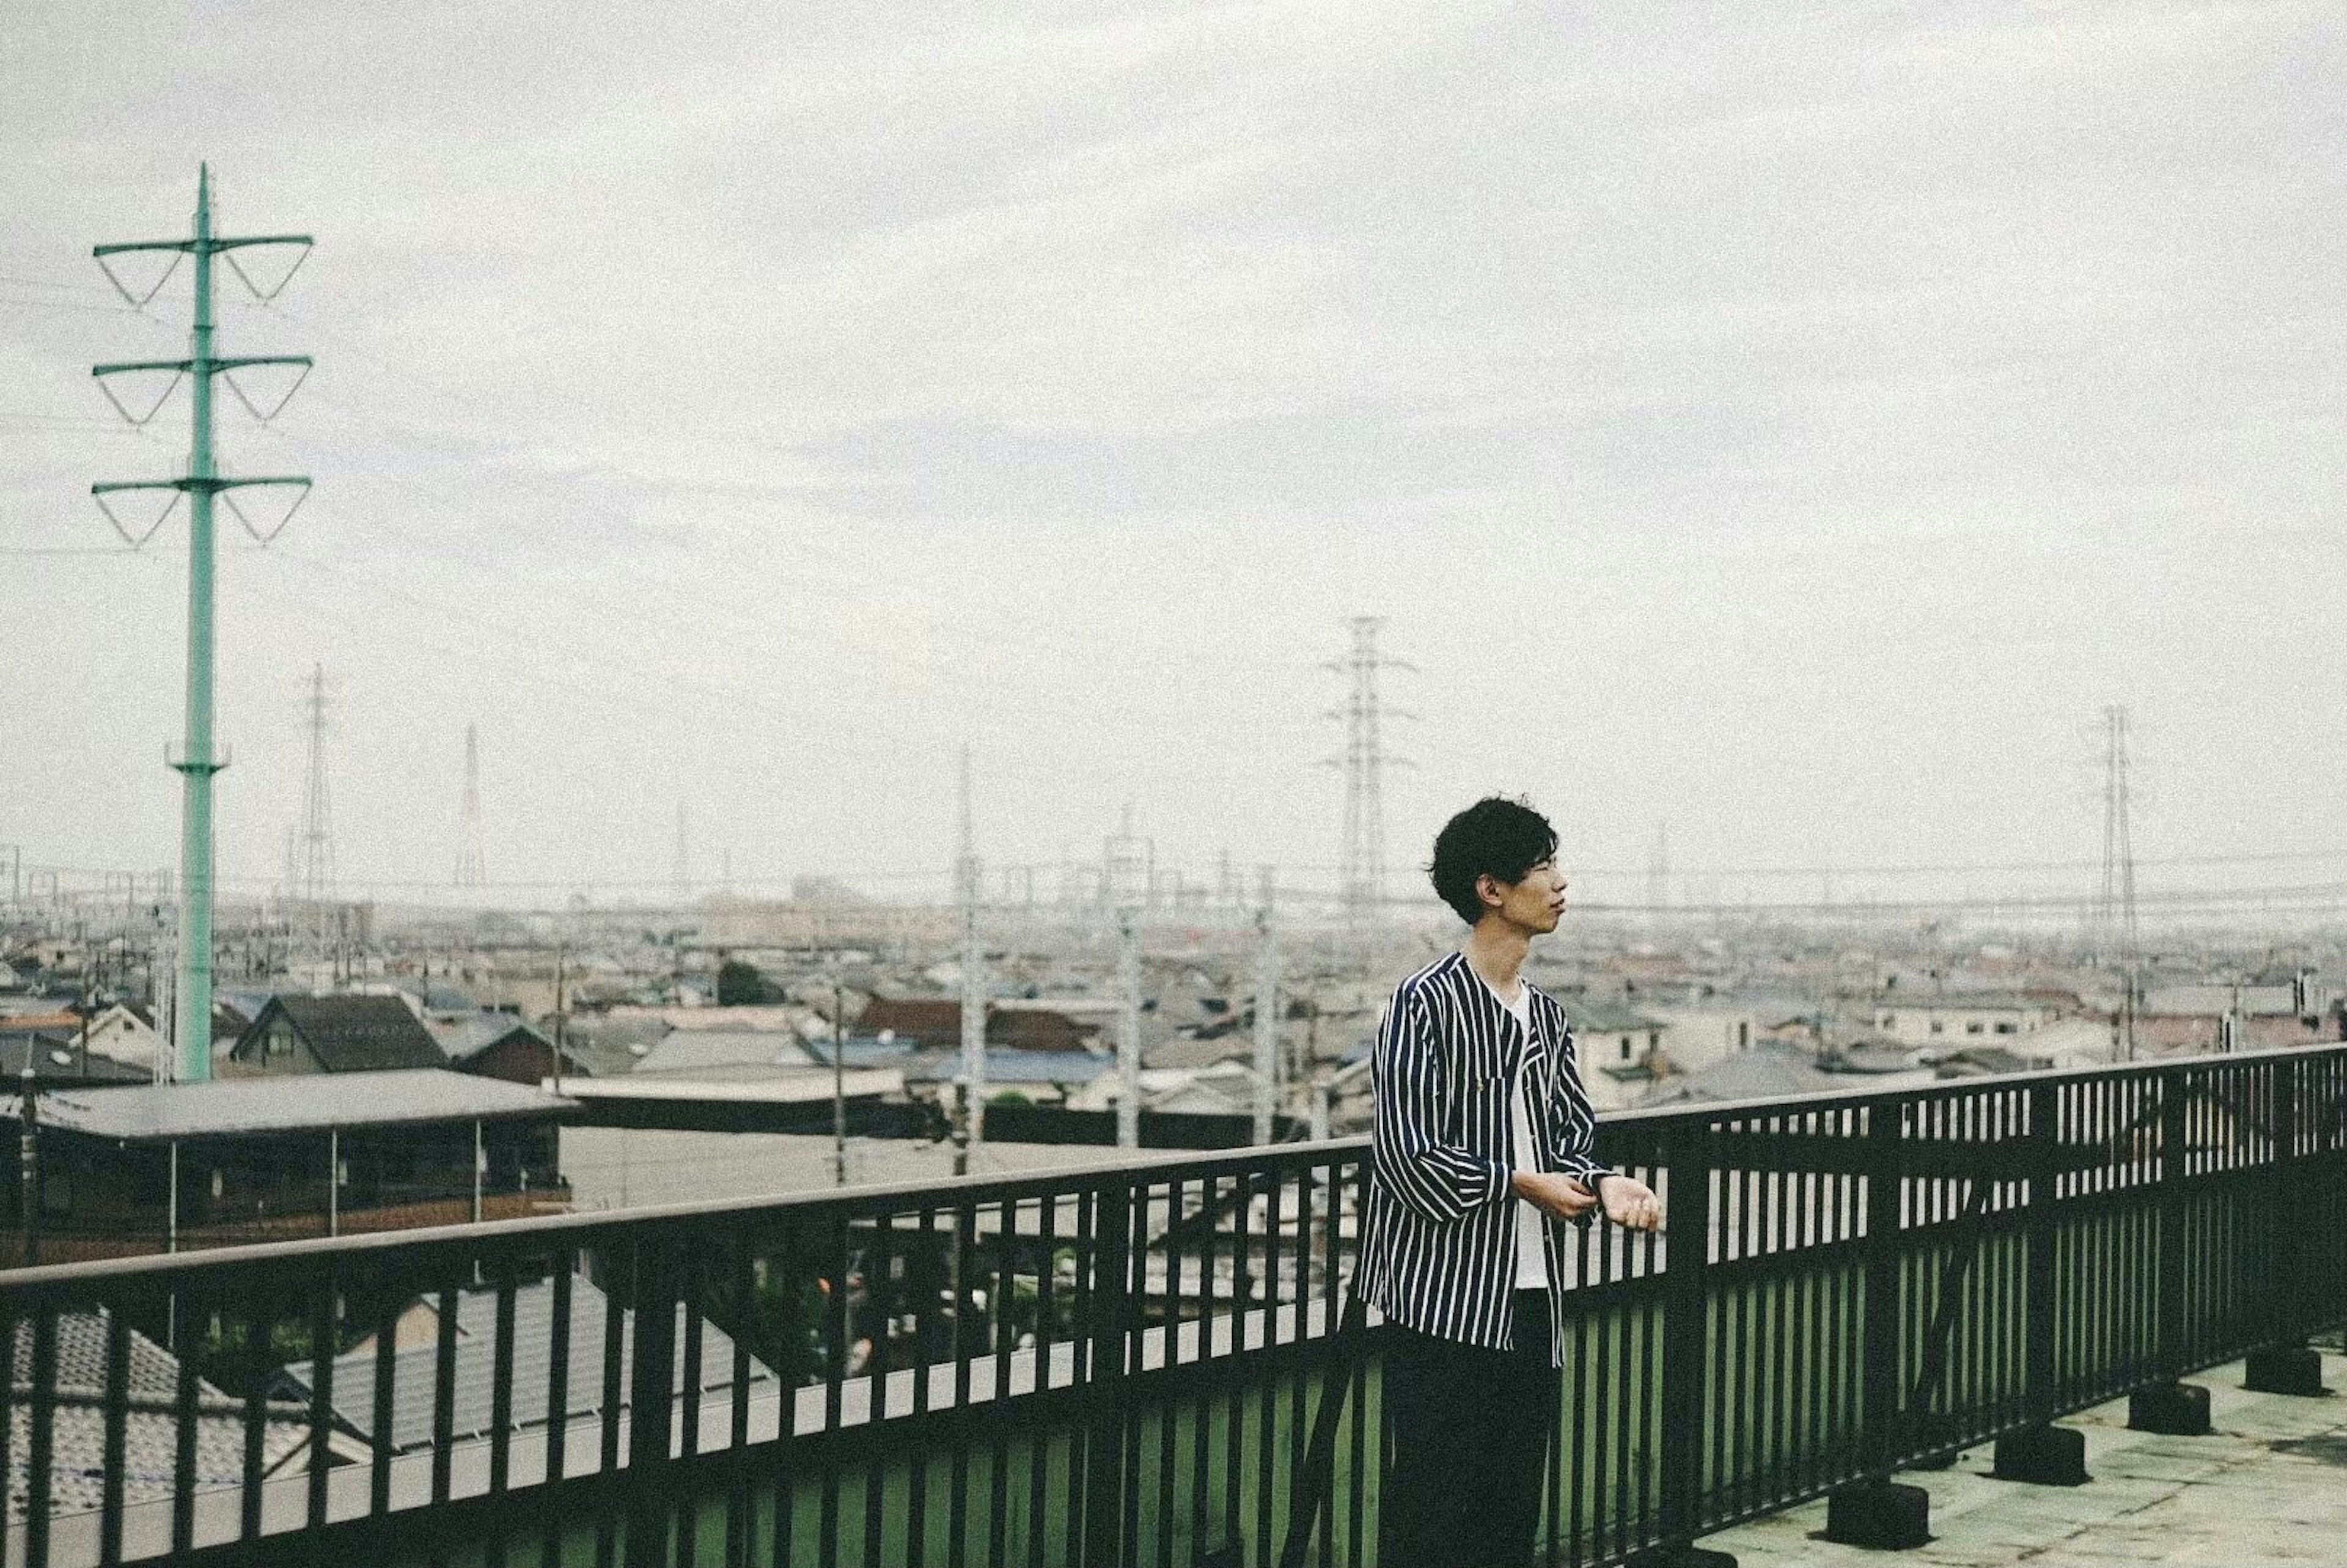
(294, 1102)
(472, 1407)
(1589, 1015)
(151, 1429)
(53, 1054)
(1769, 1068)
(467, 1035)
(701, 1049)
(1019, 1067)
(352, 1034)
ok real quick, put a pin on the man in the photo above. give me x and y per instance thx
(1481, 1142)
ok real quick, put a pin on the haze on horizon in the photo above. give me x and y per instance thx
(1792, 423)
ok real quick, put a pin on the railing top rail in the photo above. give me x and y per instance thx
(560, 1230)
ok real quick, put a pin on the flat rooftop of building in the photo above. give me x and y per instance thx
(296, 1102)
(2268, 1485)
(768, 1085)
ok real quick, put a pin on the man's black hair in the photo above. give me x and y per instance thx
(1495, 837)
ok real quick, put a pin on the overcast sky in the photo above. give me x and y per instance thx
(1791, 423)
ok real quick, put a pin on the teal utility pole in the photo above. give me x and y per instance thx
(199, 759)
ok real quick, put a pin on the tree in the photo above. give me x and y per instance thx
(745, 985)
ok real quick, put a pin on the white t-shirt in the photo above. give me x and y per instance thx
(1532, 1252)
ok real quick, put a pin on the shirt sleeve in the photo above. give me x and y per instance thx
(1438, 1180)
(1574, 1119)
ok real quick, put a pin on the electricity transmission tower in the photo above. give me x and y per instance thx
(198, 761)
(471, 868)
(1361, 874)
(2115, 914)
(1659, 876)
(973, 988)
(316, 884)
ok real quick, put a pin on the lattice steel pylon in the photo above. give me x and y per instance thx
(472, 869)
(966, 886)
(2117, 937)
(315, 887)
(199, 760)
(1360, 877)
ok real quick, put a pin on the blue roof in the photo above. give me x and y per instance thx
(867, 1051)
(1011, 1066)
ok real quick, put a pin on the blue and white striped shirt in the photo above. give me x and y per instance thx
(1438, 1231)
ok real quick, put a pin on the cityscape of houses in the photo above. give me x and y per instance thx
(479, 1067)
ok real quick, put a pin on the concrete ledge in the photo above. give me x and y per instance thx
(2171, 1409)
(1881, 1515)
(2043, 1456)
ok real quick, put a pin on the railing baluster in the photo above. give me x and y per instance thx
(564, 1267)
(742, 1287)
(925, 1306)
(9, 1362)
(444, 1385)
(380, 1439)
(253, 1366)
(689, 1378)
(324, 1323)
(118, 1420)
(559, 1308)
(1107, 1331)
(40, 1445)
(1685, 1177)
(651, 1399)
(998, 1521)
(965, 1421)
(501, 1378)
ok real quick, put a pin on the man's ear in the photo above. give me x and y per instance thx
(1487, 888)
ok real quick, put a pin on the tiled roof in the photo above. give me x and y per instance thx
(413, 1369)
(77, 1429)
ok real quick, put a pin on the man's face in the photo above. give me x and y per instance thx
(1532, 904)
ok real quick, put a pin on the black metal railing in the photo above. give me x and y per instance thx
(1138, 1363)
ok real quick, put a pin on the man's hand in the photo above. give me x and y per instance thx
(1553, 1193)
(1631, 1203)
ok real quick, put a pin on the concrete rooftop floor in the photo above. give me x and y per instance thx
(2268, 1486)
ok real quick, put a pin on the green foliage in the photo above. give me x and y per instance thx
(745, 985)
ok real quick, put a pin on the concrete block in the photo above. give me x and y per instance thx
(2174, 1410)
(1881, 1515)
(1682, 1557)
(2285, 1369)
(2043, 1456)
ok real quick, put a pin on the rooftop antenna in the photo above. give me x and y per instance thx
(198, 760)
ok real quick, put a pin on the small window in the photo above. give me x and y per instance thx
(1626, 1048)
(2008, 1027)
(1937, 1027)
(1889, 1020)
(1974, 1027)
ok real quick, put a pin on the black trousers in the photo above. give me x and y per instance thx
(1470, 1431)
